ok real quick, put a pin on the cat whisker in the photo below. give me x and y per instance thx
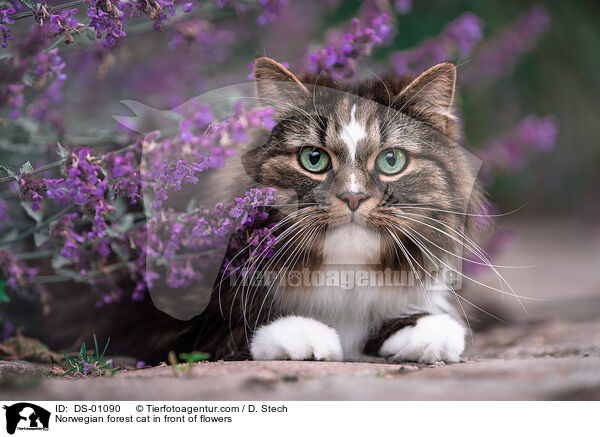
(309, 241)
(408, 257)
(258, 258)
(457, 212)
(285, 265)
(487, 264)
(478, 252)
(457, 296)
(432, 258)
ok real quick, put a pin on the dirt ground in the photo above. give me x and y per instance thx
(550, 351)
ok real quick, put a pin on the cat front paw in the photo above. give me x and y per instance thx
(433, 338)
(296, 338)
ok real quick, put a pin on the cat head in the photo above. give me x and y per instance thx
(379, 155)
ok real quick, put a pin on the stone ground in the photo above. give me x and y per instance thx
(550, 352)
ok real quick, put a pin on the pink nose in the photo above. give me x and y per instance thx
(352, 199)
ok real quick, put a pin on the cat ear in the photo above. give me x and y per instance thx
(277, 85)
(430, 97)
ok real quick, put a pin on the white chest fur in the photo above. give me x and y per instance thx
(356, 307)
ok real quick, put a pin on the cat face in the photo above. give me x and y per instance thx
(381, 156)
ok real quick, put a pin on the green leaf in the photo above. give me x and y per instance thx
(4, 298)
(27, 168)
(62, 152)
(59, 262)
(96, 347)
(41, 237)
(105, 347)
(36, 215)
(68, 372)
(126, 223)
(191, 206)
(29, 78)
(9, 172)
(31, 4)
(194, 357)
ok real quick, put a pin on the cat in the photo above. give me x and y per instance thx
(371, 183)
(376, 165)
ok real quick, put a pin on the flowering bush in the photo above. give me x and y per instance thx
(78, 215)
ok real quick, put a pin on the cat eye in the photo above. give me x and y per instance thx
(314, 160)
(390, 161)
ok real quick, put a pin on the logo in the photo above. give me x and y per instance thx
(26, 416)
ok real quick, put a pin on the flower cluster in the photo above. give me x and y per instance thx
(91, 237)
(271, 10)
(17, 274)
(174, 176)
(184, 240)
(5, 32)
(498, 56)
(508, 153)
(35, 190)
(125, 178)
(60, 22)
(90, 218)
(157, 10)
(15, 99)
(5, 218)
(196, 30)
(202, 143)
(458, 38)
(47, 64)
(403, 7)
(44, 66)
(107, 16)
(339, 57)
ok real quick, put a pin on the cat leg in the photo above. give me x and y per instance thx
(296, 338)
(427, 339)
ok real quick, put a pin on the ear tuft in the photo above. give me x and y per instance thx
(276, 84)
(431, 96)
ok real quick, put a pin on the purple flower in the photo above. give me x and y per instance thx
(59, 22)
(8, 330)
(106, 16)
(5, 35)
(271, 10)
(47, 65)
(403, 7)
(508, 152)
(17, 274)
(5, 14)
(5, 219)
(466, 32)
(537, 132)
(5, 18)
(498, 56)
(87, 367)
(340, 55)
(458, 38)
(15, 99)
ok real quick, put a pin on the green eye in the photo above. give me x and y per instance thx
(391, 161)
(314, 159)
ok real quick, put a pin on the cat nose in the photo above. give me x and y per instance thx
(352, 199)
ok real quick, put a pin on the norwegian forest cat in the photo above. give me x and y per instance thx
(380, 185)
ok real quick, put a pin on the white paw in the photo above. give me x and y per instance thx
(296, 338)
(433, 338)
